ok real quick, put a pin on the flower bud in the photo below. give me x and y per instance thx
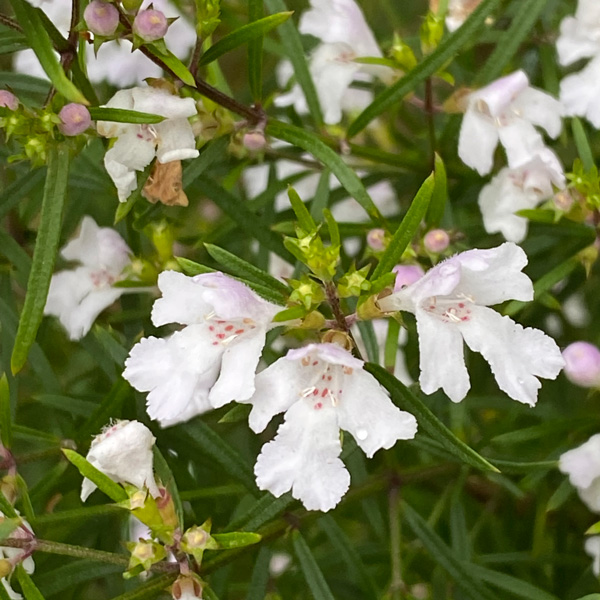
(150, 25)
(75, 119)
(582, 364)
(436, 241)
(8, 100)
(406, 275)
(101, 18)
(376, 239)
(255, 140)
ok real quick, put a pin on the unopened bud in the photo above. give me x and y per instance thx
(255, 140)
(582, 364)
(150, 25)
(101, 18)
(75, 119)
(8, 100)
(406, 275)
(436, 241)
(6, 568)
(376, 239)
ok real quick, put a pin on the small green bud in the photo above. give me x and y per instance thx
(403, 54)
(354, 282)
(306, 292)
(432, 31)
(144, 554)
(207, 17)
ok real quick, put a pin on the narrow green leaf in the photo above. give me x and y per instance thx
(239, 412)
(256, 12)
(510, 41)
(18, 190)
(12, 41)
(292, 44)
(305, 220)
(562, 493)
(7, 526)
(367, 334)
(390, 353)
(402, 396)
(67, 577)
(445, 557)
(44, 255)
(150, 589)
(25, 500)
(121, 115)
(7, 508)
(310, 569)
(168, 480)
(583, 144)
(407, 229)
(5, 413)
(510, 584)
(113, 490)
(346, 175)
(29, 588)
(435, 213)
(176, 66)
(40, 43)
(241, 268)
(109, 408)
(243, 35)
(590, 597)
(257, 590)
(236, 539)
(295, 312)
(473, 26)
(321, 199)
(332, 227)
(262, 511)
(191, 268)
(210, 443)
(510, 466)
(208, 155)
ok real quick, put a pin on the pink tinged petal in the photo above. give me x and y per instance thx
(182, 300)
(175, 141)
(304, 458)
(500, 94)
(278, 387)
(330, 353)
(582, 364)
(124, 453)
(477, 141)
(238, 368)
(441, 358)
(366, 411)
(540, 109)
(493, 276)
(515, 355)
(582, 464)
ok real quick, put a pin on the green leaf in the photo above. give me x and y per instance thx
(168, 480)
(445, 557)
(510, 584)
(321, 199)
(367, 333)
(236, 539)
(208, 155)
(12, 41)
(121, 115)
(437, 206)
(590, 597)
(473, 26)
(583, 144)
(67, 577)
(40, 43)
(150, 589)
(243, 35)
(256, 12)
(562, 493)
(310, 569)
(18, 190)
(192, 268)
(5, 413)
(402, 396)
(109, 408)
(113, 490)
(292, 44)
(346, 175)
(332, 227)
(510, 41)
(239, 412)
(241, 268)
(407, 229)
(44, 255)
(7, 526)
(28, 588)
(257, 590)
(260, 512)
(7, 508)
(305, 220)
(176, 66)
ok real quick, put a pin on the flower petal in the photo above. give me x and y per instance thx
(579, 93)
(515, 355)
(477, 141)
(366, 411)
(541, 109)
(304, 457)
(175, 141)
(582, 464)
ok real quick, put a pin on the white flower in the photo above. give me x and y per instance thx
(321, 388)
(123, 451)
(115, 62)
(345, 35)
(451, 303)
(579, 93)
(77, 296)
(580, 35)
(516, 189)
(592, 548)
(506, 111)
(213, 359)
(137, 145)
(582, 465)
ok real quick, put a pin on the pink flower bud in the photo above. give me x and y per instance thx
(150, 25)
(406, 275)
(436, 241)
(75, 119)
(255, 140)
(582, 364)
(376, 239)
(101, 18)
(8, 100)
